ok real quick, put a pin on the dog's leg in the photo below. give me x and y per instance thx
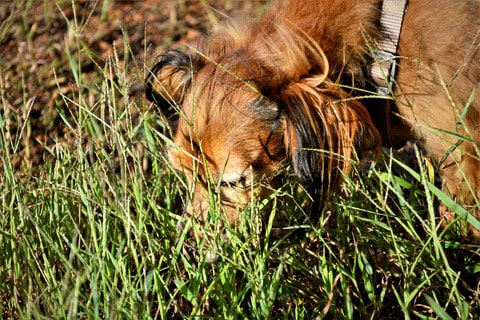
(461, 181)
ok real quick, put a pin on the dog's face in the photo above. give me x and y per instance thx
(228, 136)
(227, 142)
(235, 122)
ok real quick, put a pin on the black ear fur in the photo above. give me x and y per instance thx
(167, 82)
(301, 135)
(324, 129)
(301, 139)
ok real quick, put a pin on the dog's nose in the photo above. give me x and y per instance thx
(189, 251)
(180, 225)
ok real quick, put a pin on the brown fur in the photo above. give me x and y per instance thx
(259, 92)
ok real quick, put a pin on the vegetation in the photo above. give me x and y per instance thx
(89, 204)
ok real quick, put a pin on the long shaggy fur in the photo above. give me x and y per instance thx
(259, 92)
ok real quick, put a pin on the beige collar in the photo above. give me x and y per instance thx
(384, 68)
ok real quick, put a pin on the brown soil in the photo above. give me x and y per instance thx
(37, 39)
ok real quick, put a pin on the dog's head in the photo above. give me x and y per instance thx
(239, 111)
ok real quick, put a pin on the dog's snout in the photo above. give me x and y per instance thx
(190, 251)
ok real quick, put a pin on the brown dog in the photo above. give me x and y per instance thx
(261, 92)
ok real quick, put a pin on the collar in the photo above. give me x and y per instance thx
(383, 70)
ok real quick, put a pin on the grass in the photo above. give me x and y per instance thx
(88, 226)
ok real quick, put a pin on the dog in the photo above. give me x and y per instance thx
(286, 88)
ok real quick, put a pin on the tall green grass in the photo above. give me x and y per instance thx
(91, 232)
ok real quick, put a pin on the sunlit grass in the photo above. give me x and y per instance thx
(91, 232)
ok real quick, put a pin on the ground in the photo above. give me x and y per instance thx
(89, 205)
(38, 41)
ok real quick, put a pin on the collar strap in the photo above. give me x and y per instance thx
(383, 70)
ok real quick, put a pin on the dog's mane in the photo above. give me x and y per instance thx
(296, 38)
(298, 60)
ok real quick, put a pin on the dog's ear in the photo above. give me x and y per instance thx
(168, 81)
(324, 129)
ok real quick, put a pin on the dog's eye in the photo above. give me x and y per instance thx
(238, 183)
(228, 184)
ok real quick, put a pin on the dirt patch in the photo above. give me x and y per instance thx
(49, 48)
